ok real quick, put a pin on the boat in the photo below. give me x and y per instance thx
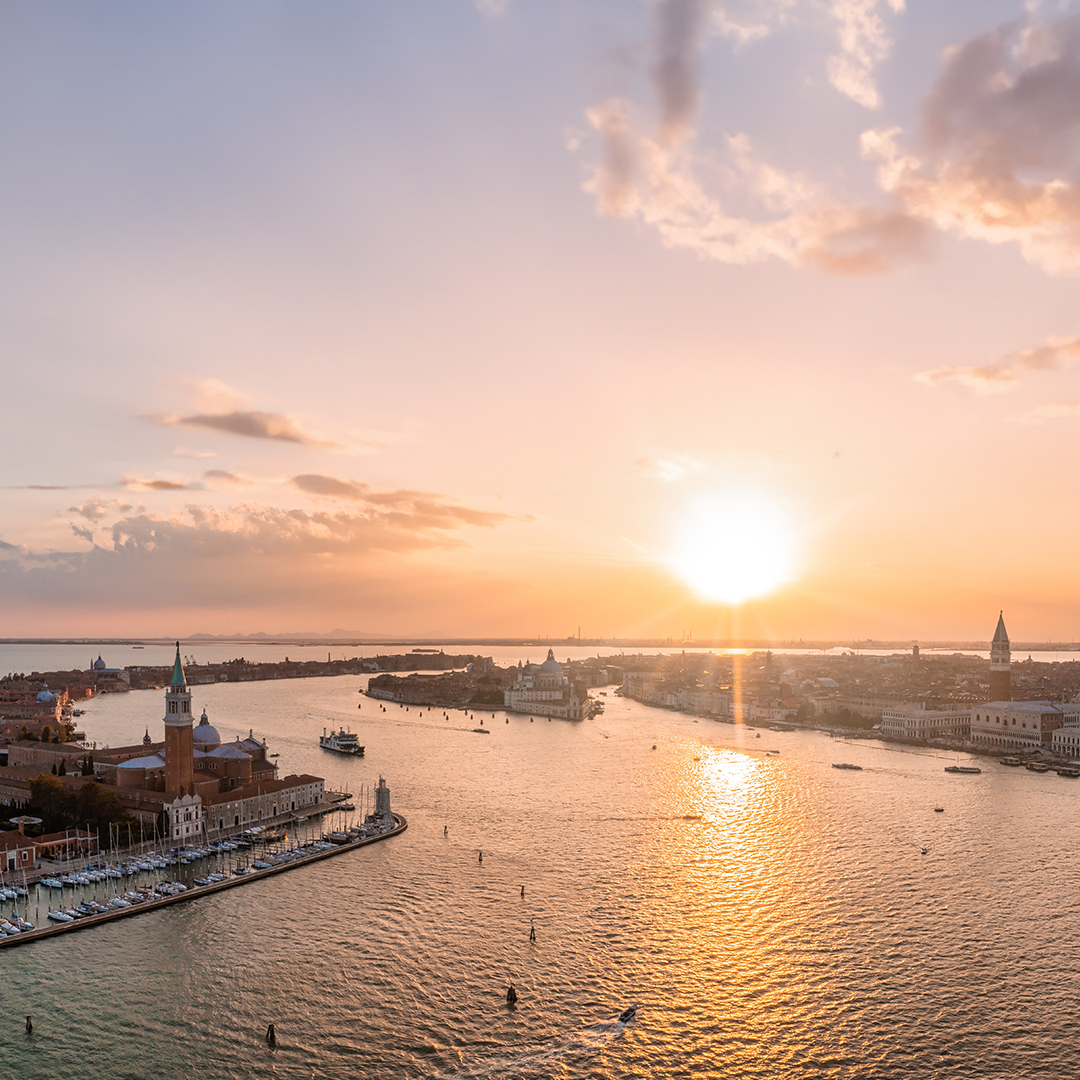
(1038, 766)
(628, 1014)
(341, 741)
(963, 769)
(481, 731)
(846, 765)
(1010, 761)
(1068, 770)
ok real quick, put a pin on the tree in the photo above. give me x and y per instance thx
(49, 795)
(98, 808)
(45, 733)
(62, 770)
(54, 768)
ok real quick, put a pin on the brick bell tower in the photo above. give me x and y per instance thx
(179, 746)
(1000, 658)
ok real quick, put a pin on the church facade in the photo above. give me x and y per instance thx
(544, 691)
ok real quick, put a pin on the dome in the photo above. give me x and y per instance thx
(551, 666)
(99, 664)
(45, 697)
(205, 736)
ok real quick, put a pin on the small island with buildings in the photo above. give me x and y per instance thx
(189, 798)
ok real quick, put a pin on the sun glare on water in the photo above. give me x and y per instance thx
(734, 548)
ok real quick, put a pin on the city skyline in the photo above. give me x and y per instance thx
(501, 319)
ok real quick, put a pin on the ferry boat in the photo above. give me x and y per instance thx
(963, 769)
(344, 742)
(1010, 761)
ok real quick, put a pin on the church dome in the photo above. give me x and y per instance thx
(551, 666)
(46, 697)
(99, 664)
(205, 736)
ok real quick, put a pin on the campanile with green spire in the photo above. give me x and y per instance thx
(179, 746)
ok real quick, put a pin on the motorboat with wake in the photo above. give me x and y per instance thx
(628, 1014)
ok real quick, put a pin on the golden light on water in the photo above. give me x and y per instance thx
(734, 548)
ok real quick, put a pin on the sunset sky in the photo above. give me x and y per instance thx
(509, 317)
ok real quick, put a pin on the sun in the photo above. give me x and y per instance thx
(735, 547)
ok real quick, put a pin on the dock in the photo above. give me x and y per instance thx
(52, 929)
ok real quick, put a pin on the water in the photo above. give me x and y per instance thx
(774, 916)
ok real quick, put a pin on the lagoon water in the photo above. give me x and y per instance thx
(773, 916)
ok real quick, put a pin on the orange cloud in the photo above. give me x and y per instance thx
(416, 506)
(1053, 355)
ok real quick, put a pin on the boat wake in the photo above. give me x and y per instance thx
(570, 1055)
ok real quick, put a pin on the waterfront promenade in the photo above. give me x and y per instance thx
(40, 933)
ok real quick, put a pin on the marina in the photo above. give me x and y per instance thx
(163, 893)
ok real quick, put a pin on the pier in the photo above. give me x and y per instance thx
(41, 933)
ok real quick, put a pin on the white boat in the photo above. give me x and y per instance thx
(60, 916)
(342, 741)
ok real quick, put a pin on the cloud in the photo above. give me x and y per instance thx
(135, 482)
(641, 179)
(433, 511)
(997, 158)
(96, 508)
(1048, 412)
(252, 424)
(990, 379)
(864, 44)
(247, 555)
(680, 34)
(1054, 354)
(222, 478)
(221, 408)
(669, 469)
(1001, 130)
(314, 484)
(750, 20)
(650, 177)
(184, 452)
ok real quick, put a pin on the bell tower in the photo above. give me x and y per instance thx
(1000, 657)
(179, 746)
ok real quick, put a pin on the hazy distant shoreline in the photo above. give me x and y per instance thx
(607, 643)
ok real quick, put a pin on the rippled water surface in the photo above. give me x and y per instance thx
(773, 916)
